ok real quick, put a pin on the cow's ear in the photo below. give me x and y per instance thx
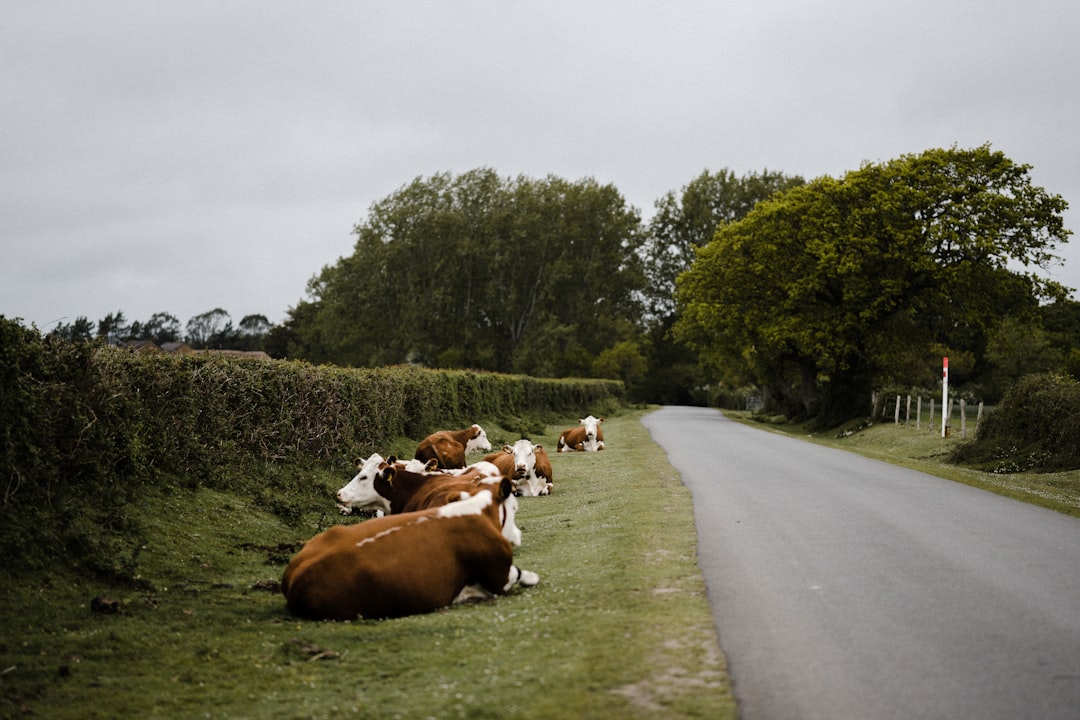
(358, 462)
(391, 460)
(538, 447)
(506, 488)
(388, 474)
(432, 465)
(600, 420)
(508, 449)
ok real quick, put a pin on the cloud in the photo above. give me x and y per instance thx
(184, 156)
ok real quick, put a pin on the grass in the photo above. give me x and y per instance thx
(925, 450)
(618, 627)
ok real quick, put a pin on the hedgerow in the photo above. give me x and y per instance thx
(86, 427)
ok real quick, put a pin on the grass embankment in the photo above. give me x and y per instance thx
(925, 450)
(618, 627)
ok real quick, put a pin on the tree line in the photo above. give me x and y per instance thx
(810, 293)
(213, 329)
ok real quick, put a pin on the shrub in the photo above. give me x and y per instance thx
(1032, 429)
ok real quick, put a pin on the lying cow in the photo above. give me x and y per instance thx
(410, 563)
(407, 486)
(449, 448)
(589, 437)
(527, 465)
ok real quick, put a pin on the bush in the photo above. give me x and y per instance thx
(1032, 429)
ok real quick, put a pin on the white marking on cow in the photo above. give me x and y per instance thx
(379, 535)
(480, 443)
(469, 505)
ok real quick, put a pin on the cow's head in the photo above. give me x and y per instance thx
(476, 501)
(524, 457)
(478, 440)
(360, 493)
(591, 424)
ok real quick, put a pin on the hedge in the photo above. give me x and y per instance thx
(86, 426)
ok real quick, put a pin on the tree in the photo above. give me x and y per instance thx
(81, 329)
(817, 291)
(1017, 347)
(475, 270)
(113, 328)
(162, 327)
(211, 329)
(688, 220)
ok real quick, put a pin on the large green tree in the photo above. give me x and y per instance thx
(477, 270)
(831, 287)
(688, 219)
(684, 221)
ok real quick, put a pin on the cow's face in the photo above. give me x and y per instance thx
(479, 441)
(590, 424)
(360, 492)
(524, 457)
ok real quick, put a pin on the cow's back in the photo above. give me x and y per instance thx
(572, 439)
(394, 566)
(443, 448)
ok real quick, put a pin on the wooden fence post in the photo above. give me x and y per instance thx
(963, 419)
(918, 414)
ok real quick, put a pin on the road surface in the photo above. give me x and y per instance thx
(843, 587)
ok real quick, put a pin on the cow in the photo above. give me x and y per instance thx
(407, 491)
(368, 491)
(410, 563)
(449, 447)
(527, 465)
(589, 437)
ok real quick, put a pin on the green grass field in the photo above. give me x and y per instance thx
(925, 450)
(618, 627)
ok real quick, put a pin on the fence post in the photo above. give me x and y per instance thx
(930, 423)
(963, 419)
(896, 414)
(918, 414)
(907, 413)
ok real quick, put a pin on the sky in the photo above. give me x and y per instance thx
(181, 156)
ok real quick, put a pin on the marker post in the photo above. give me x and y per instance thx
(945, 398)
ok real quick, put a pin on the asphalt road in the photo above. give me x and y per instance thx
(843, 587)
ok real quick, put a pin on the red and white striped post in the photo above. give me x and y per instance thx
(945, 397)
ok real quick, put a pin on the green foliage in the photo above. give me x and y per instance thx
(1019, 347)
(508, 275)
(1032, 429)
(688, 220)
(86, 427)
(818, 292)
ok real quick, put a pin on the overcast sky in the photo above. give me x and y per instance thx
(182, 156)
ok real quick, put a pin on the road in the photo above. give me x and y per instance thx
(843, 587)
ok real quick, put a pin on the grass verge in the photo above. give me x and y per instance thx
(925, 450)
(619, 626)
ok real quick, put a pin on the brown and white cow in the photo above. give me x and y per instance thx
(370, 488)
(588, 437)
(449, 447)
(527, 465)
(410, 563)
